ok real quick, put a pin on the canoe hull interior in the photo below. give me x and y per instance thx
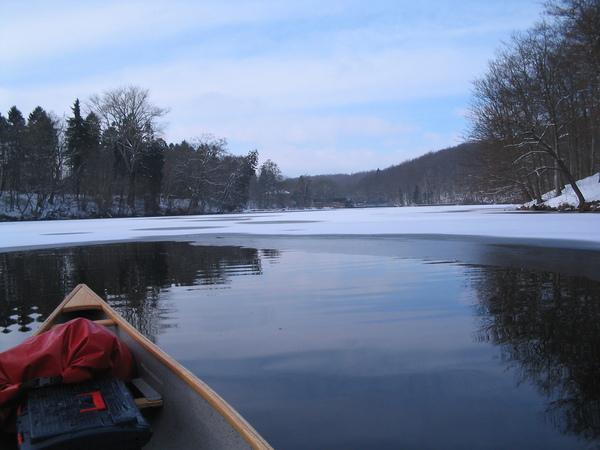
(192, 415)
(186, 420)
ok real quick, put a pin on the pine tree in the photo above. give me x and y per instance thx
(77, 146)
(15, 136)
(93, 131)
(3, 152)
(151, 171)
(40, 157)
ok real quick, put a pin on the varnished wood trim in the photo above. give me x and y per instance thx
(143, 403)
(248, 433)
(47, 324)
(74, 308)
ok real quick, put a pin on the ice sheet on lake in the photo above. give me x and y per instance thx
(486, 221)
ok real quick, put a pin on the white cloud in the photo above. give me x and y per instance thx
(270, 104)
(56, 28)
(307, 100)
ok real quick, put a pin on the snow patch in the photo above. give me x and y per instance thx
(590, 188)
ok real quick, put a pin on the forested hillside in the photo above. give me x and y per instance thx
(456, 175)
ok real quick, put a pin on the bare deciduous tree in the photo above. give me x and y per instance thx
(135, 119)
(535, 98)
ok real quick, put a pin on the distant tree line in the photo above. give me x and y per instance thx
(113, 162)
(455, 175)
(538, 106)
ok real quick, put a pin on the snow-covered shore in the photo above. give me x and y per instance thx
(481, 221)
(590, 188)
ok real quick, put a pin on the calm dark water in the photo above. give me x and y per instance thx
(355, 343)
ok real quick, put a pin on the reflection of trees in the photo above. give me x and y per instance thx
(131, 276)
(270, 254)
(548, 327)
(26, 287)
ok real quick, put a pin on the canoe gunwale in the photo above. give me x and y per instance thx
(93, 301)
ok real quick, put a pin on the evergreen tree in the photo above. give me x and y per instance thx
(93, 131)
(40, 161)
(15, 136)
(3, 152)
(151, 171)
(77, 146)
(96, 167)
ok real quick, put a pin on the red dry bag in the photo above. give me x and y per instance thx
(74, 351)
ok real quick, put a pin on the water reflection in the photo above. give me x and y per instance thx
(131, 276)
(26, 281)
(548, 327)
(377, 348)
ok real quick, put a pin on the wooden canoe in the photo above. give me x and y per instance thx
(187, 413)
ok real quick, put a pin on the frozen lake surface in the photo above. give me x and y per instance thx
(491, 222)
(350, 342)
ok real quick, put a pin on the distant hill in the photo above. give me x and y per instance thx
(458, 174)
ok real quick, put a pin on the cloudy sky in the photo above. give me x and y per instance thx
(318, 86)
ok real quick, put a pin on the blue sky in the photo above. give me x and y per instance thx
(318, 86)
